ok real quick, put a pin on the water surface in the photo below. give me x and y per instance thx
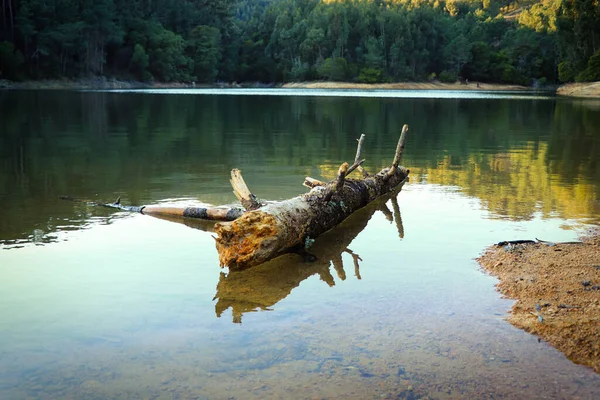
(98, 304)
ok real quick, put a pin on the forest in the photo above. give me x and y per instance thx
(274, 41)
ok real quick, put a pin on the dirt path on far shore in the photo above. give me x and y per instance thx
(557, 288)
(403, 86)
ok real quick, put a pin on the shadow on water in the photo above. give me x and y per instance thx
(265, 285)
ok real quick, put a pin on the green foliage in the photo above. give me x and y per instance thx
(542, 82)
(578, 29)
(540, 17)
(370, 75)
(333, 69)
(139, 63)
(10, 61)
(457, 53)
(300, 71)
(592, 72)
(565, 72)
(277, 40)
(166, 51)
(447, 77)
(205, 46)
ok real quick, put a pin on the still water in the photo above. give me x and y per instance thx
(97, 304)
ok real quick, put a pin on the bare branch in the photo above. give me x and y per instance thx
(339, 182)
(241, 191)
(399, 150)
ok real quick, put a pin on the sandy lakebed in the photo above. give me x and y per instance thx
(557, 292)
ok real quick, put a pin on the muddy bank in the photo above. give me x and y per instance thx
(557, 288)
(404, 86)
(588, 89)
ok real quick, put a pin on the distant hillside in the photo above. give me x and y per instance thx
(362, 41)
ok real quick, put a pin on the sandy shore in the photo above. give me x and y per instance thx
(557, 288)
(403, 86)
(588, 89)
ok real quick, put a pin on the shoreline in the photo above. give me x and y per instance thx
(102, 83)
(588, 90)
(406, 86)
(556, 288)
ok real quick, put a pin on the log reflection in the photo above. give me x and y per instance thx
(263, 286)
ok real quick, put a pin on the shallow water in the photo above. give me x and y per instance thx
(98, 304)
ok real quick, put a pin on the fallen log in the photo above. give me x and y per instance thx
(264, 231)
(262, 234)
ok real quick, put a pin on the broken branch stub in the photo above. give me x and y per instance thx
(262, 234)
(312, 183)
(399, 149)
(241, 191)
(357, 158)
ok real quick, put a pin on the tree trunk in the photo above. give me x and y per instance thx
(262, 234)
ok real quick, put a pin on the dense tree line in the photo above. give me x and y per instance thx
(297, 40)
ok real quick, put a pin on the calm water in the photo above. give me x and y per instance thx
(96, 304)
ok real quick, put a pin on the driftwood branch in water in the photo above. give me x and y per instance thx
(264, 231)
(260, 235)
(207, 213)
(200, 213)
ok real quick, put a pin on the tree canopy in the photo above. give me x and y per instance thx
(504, 41)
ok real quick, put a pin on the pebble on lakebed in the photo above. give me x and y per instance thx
(553, 288)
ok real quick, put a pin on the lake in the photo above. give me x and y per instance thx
(98, 304)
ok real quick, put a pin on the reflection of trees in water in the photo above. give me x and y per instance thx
(524, 181)
(513, 154)
(263, 286)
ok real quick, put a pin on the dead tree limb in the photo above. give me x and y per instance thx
(241, 191)
(311, 182)
(263, 234)
(358, 151)
(399, 150)
(206, 213)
